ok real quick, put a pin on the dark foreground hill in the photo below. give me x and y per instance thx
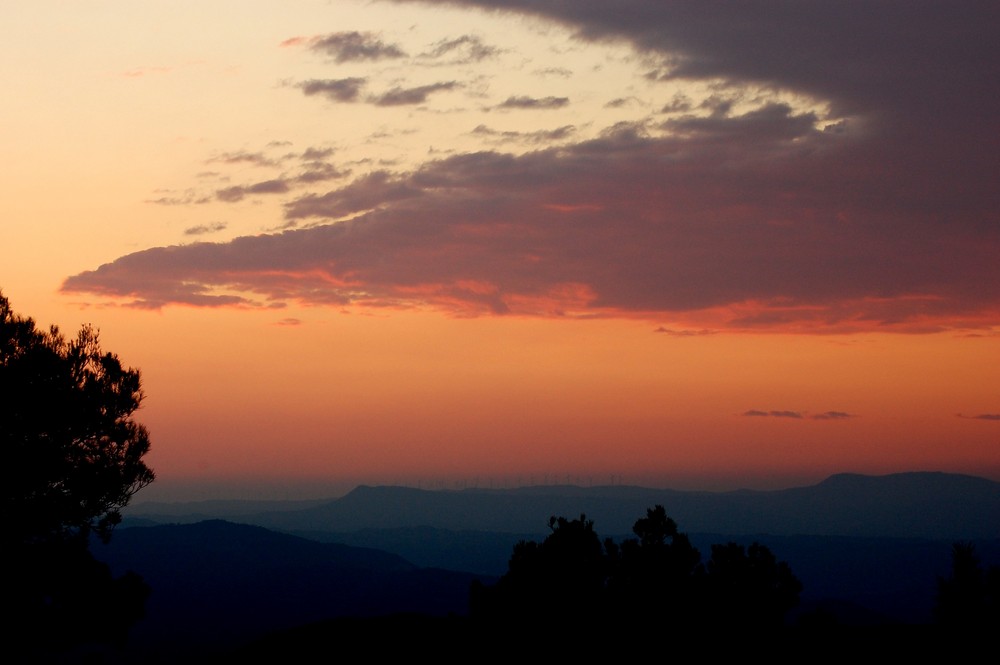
(216, 584)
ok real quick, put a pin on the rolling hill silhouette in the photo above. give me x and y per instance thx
(216, 584)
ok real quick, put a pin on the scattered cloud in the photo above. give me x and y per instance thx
(350, 46)
(536, 137)
(561, 72)
(461, 50)
(417, 95)
(680, 103)
(817, 188)
(319, 172)
(243, 157)
(685, 333)
(833, 415)
(524, 102)
(336, 90)
(239, 192)
(314, 154)
(204, 229)
(772, 414)
(799, 415)
(187, 197)
(621, 102)
(292, 322)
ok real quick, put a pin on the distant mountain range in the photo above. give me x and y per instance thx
(868, 549)
(914, 505)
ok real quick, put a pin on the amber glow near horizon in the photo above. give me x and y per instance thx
(431, 243)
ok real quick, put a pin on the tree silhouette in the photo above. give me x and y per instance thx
(969, 599)
(73, 460)
(655, 577)
(749, 587)
(654, 580)
(563, 576)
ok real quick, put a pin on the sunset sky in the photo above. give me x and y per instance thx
(699, 245)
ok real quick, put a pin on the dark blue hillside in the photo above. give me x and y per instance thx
(905, 505)
(216, 584)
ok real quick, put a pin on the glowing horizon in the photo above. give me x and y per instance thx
(398, 241)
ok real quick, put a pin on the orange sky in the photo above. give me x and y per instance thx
(401, 242)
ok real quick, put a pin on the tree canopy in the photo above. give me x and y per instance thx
(656, 578)
(73, 461)
(74, 451)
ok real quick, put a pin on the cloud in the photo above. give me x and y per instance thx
(243, 157)
(188, 197)
(292, 322)
(524, 102)
(833, 415)
(371, 191)
(841, 179)
(775, 122)
(676, 224)
(239, 192)
(772, 414)
(799, 415)
(464, 50)
(620, 102)
(983, 416)
(418, 95)
(336, 90)
(319, 172)
(561, 72)
(901, 68)
(314, 154)
(688, 333)
(203, 229)
(680, 103)
(535, 137)
(352, 46)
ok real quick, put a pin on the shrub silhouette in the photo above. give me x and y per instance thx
(74, 459)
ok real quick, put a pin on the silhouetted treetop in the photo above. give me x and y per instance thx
(74, 453)
(73, 460)
(655, 578)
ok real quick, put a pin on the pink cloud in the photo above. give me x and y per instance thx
(770, 219)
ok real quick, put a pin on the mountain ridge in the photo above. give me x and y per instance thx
(925, 504)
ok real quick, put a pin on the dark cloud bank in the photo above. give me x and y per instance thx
(882, 213)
